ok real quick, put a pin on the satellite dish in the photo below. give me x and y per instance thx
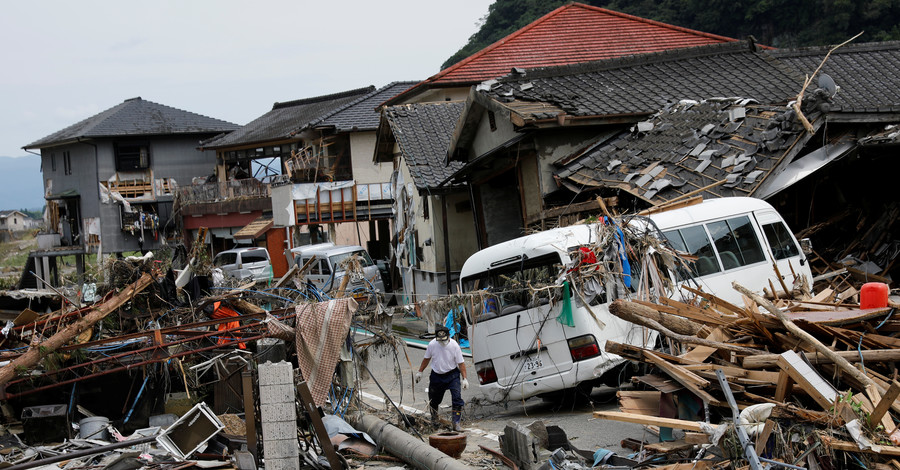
(827, 83)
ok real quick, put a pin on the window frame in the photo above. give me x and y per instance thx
(141, 165)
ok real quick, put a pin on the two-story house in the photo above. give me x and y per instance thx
(110, 179)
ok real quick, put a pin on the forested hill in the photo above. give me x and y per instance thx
(778, 23)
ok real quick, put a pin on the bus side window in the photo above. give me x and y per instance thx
(736, 242)
(694, 240)
(780, 240)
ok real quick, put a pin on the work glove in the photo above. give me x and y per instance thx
(465, 384)
(418, 376)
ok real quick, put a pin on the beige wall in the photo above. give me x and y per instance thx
(362, 150)
(440, 94)
(461, 230)
(486, 139)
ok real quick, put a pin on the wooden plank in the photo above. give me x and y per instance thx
(847, 446)
(763, 436)
(668, 447)
(783, 386)
(639, 402)
(808, 379)
(696, 437)
(765, 361)
(312, 411)
(649, 420)
(885, 403)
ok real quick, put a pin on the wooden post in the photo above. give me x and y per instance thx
(318, 426)
(249, 413)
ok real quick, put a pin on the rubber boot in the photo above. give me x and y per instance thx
(457, 414)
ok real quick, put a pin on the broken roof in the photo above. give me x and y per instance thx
(570, 34)
(718, 147)
(868, 74)
(360, 114)
(643, 84)
(423, 133)
(135, 117)
(286, 119)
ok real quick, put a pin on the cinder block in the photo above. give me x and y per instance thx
(277, 373)
(279, 429)
(277, 411)
(278, 393)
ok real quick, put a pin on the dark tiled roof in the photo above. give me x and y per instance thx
(571, 34)
(423, 133)
(360, 114)
(285, 119)
(644, 84)
(868, 74)
(135, 117)
(735, 143)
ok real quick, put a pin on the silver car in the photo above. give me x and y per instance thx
(245, 263)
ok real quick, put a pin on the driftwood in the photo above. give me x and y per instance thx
(638, 314)
(34, 355)
(806, 337)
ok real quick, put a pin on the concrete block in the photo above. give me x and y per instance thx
(279, 429)
(276, 373)
(278, 393)
(277, 412)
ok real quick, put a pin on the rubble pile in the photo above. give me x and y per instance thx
(167, 372)
(803, 382)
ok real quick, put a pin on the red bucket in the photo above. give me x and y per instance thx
(873, 295)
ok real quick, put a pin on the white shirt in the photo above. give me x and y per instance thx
(444, 358)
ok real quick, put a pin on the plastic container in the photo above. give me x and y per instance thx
(873, 295)
(94, 427)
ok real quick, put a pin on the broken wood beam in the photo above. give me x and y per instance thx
(886, 401)
(649, 420)
(620, 309)
(806, 337)
(36, 353)
(765, 361)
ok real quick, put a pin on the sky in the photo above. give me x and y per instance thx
(231, 60)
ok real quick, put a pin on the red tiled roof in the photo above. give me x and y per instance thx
(570, 34)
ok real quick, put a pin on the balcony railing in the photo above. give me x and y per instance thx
(250, 188)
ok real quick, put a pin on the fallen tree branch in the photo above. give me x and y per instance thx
(34, 355)
(628, 312)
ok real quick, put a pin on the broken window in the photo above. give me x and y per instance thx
(132, 156)
(780, 240)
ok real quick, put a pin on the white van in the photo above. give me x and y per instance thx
(245, 263)
(521, 349)
(327, 271)
(735, 239)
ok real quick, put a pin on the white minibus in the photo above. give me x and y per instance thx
(529, 338)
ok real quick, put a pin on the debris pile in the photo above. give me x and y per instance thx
(793, 383)
(159, 370)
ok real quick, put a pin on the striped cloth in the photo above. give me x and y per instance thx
(322, 329)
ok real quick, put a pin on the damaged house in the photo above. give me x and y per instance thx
(711, 121)
(293, 168)
(414, 130)
(110, 180)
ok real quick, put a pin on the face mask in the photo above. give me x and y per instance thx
(444, 342)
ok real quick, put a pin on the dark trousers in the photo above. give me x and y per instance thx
(440, 383)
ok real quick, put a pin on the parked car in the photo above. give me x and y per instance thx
(245, 263)
(327, 271)
(521, 350)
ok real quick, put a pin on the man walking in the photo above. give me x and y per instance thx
(446, 367)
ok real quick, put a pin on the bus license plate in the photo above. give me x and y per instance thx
(533, 363)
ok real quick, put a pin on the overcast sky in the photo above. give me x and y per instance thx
(231, 60)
